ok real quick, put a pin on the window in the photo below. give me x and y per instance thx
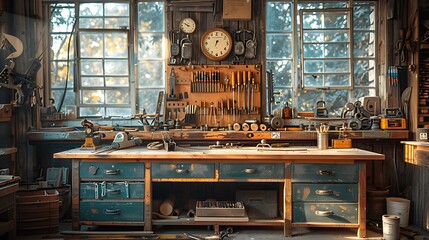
(323, 50)
(104, 73)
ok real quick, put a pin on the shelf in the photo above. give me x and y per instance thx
(190, 221)
(7, 151)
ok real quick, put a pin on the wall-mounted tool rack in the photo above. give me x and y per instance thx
(213, 95)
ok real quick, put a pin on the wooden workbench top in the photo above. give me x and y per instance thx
(240, 153)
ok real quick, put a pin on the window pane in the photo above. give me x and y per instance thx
(60, 47)
(118, 96)
(313, 80)
(116, 67)
(69, 99)
(338, 66)
(93, 23)
(148, 99)
(151, 16)
(313, 51)
(91, 45)
(92, 96)
(335, 101)
(151, 46)
(59, 75)
(116, 9)
(326, 36)
(313, 66)
(92, 81)
(364, 44)
(337, 79)
(151, 74)
(91, 111)
(116, 23)
(117, 82)
(91, 9)
(63, 18)
(116, 45)
(284, 96)
(336, 50)
(282, 72)
(364, 17)
(279, 46)
(365, 73)
(362, 92)
(307, 99)
(279, 16)
(119, 112)
(91, 67)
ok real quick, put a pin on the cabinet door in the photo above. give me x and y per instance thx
(111, 190)
(183, 170)
(111, 211)
(325, 212)
(325, 172)
(250, 171)
(112, 170)
(307, 192)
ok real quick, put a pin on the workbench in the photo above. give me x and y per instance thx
(336, 178)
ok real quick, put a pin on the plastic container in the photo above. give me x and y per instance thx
(400, 207)
(391, 227)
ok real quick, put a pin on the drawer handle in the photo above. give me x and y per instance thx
(325, 172)
(324, 213)
(250, 170)
(112, 211)
(112, 172)
(323, 192)
(182, 170)
(113, 191)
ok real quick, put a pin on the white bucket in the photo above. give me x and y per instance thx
(391, 227)
(400, 207)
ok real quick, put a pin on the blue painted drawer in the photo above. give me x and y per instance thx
(130, 211)
(325, 213)
(307, 192)
(112, 170)
(111, 190)
(325, 172)
(256, 170)
(183, 170)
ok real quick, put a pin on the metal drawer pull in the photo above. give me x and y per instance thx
(323, 192)
(250, 170)
(325, 172)
(112, 172)
(182, 170)
(113, 191)
(324, 213)
(112, 211)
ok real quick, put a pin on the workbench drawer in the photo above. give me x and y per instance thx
(112, 170)
(183, 170)
(325, 172)
(307, 192)
(111, 190)
(325, 212)
(129, 211)
(255, 170)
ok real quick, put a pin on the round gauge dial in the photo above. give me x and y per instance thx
(187, 25)
(216, 44)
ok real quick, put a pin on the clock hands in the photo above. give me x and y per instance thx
(217, 41)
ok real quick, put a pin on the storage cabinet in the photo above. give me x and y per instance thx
(325, 193)
(7, 140)
(111, 192)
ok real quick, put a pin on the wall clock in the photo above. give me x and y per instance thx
(216, 44)
(187, 25)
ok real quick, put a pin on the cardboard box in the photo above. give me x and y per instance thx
(237, 10)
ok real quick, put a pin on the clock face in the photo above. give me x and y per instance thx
(187, 25)
(216, 44)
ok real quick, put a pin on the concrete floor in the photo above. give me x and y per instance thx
(239, 233)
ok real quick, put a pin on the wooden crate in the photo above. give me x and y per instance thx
(37, 212)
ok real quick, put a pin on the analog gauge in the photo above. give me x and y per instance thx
(216, 44)
(187, 25)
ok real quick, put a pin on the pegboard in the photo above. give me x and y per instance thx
(213, 95)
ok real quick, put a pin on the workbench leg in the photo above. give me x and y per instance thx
(147, 197)
(287, 202)
(361, 233)
(216, 229)
(75, 195)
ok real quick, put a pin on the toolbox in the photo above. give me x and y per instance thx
(220, 209)
(393, 123)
